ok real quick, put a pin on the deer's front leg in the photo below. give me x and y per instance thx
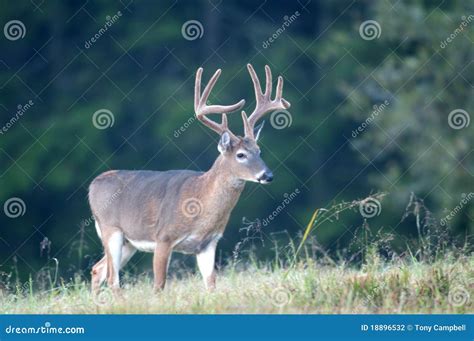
(205, 261)
(160, 264)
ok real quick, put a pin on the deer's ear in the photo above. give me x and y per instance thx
(258, 130)
(225, 143)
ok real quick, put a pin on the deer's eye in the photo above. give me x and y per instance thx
(241, 156)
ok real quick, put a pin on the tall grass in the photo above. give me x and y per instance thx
(444, 286)
(430, 276)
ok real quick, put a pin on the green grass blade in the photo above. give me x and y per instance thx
(307, 231)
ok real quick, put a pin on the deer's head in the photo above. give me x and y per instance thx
(241, 154)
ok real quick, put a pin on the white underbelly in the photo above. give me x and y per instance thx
(193, 244)
(189, 244)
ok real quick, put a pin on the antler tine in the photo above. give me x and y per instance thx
(202, 109)
(197, 88)
(247, 128)
(268, 83)
(256, 83)
(209, 87)
(264, 100)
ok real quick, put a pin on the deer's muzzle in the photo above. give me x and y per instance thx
(266, 177)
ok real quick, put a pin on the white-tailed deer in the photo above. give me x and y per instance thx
(181, 210)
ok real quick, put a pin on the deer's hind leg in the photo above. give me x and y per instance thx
(113, 250)
(99, 270)
(99, 274)
(113, 242)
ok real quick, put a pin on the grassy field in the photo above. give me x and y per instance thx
(444, 286)
(429, 275)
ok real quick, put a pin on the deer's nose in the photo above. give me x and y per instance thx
(266, 177)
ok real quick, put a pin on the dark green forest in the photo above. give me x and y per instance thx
(381, 98)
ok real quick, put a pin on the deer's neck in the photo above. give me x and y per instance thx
(222, 185)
